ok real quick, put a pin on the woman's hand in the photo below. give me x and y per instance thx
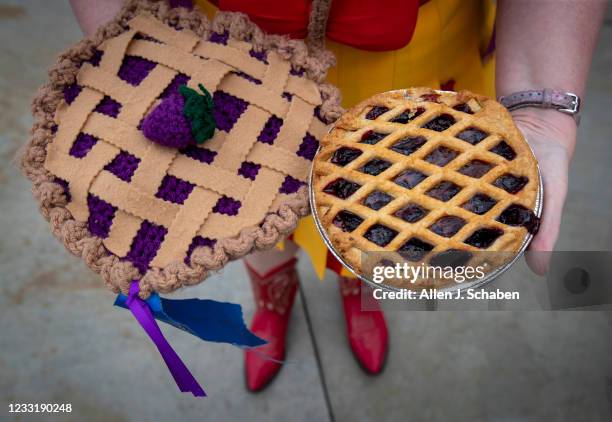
(552, 136)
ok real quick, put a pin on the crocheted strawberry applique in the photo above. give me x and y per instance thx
(183, 118)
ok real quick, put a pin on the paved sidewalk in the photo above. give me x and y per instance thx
(61, 340)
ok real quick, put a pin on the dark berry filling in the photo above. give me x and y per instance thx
(343, 156)
(375, 166)
(451, 258)
(375, 112)
(432, 98)
(407, 146)
(444, 191)
(517, 215)
(377, 199)
(411, 213)
(440, 123)
(347, 221)
(441, 156)
(511, 183)
(479, 203)
(447, 226)
(414, 249)
(504, 150)
(341, 188)
(475, 168)
(483, 238)
(408, 115)
(464, 108)
(371, 137)
(472, 135)
(409, 178)
(379, 234)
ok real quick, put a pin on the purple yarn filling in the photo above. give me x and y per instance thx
(173, 88)
(270, 131)
(227, 110)
(219, 38)
(145, 245)
(96, 57)
(296, 71)
(174, 190)
(134, 69)
(166, 124)
(144, 37)
(203, 155)
(290, 185)
(123, 166)
(248, 77)
(188, 4)
(309, 147)
(226, 205)
(82, 145)
(101, 215)
(262, 55)
(249, 170)
(108, 106)
(196, 243)
(64, 184)
(317, 113)
(71, 92)
(287, 95)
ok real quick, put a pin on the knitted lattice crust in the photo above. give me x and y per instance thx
(420, 173)
(134, 209)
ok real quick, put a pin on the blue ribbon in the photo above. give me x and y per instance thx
(219, 322)
(207, 319)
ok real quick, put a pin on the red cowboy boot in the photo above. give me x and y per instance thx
(366, 330)
(274, 293)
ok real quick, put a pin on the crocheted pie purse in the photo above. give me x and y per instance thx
(167, 144)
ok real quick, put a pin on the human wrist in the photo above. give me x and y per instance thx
(558, 128)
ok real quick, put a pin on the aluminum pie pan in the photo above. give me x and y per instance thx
(488, 278)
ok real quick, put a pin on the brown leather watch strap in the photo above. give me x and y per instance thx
(565, 102)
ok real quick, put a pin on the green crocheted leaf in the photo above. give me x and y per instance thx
(198, 109)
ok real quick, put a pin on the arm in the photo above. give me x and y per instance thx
(547, 44)
(91, 14)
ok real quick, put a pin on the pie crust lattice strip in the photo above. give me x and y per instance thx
(422, 172)
(135, 209)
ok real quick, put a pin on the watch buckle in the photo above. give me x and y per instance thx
(575, 104)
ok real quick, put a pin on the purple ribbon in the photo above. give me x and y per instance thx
(144, 316)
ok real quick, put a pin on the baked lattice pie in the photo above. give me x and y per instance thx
(424, 172)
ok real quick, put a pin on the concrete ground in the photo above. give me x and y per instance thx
(62, 341)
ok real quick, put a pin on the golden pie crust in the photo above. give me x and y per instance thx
(469, 111)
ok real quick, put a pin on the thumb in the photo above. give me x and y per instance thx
(542, 245)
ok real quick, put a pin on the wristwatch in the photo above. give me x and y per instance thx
(565, 102)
